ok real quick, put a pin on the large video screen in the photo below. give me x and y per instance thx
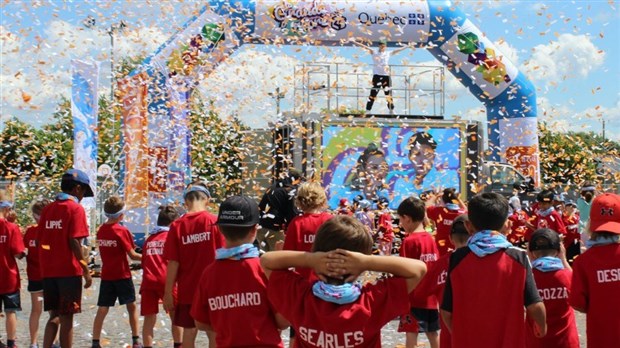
(390, 161)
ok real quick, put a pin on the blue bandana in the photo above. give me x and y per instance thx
(452, 206)
(487, 242)
(65, 196)
(159, 229)
(602, 241)
(548, 264)
(546, 212)
(339, 294)
(243, 251)
(6, 204)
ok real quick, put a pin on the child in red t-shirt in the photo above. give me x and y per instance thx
(33, 271)
(435, 279)
(154, 276)
(572, 239)
(518, 222)
(237, 310)
(596, 274)
(418, 244)
(442, 216)
(11, 247)
(190, 248)
(115, 243)
(552, 274)
(385, 227)
(545, 216)
(336, 309)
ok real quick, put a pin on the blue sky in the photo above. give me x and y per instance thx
(569, 49)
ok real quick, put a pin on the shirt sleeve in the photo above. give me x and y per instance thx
(578, 297)
(127, 240)
(220, 241)
(17, 242)
(79, 227)
(200, 305)
(171, 248)
(286, 290)
(388, 297)
(290, 237)
(561, 227)
(530, 294)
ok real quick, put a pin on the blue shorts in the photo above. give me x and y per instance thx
(11, 302)
(110, 290)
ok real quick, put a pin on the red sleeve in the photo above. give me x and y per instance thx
(388, 297)
(220, 241)
(403, 249)
(171, 247)
(294, 286)
(127, 240)
(79, 227)
(17, 242)
(200, 305)
(578, 296)
(290, 238)
(431, 212)
(560, 227)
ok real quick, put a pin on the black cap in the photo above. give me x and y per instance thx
(238, 211)
(544, 239)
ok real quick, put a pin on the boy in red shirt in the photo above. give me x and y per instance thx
(190, 248)
(418, 244)
(552, 274)
(336, 310)
(385, 228)
(33, 270)
(572, 239)
(596, 274)
(237, 310)
(518, 222)
(442, 217)
(11, 247)
(546, 216)
(154, 276)
(115, 244)
(489, 312)
(62, 228)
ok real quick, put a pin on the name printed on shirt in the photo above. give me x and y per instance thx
(3, 239)
(308, 238)
(331, 340)
(441, 279)
(246, 299)
(608, 275)
(448, 222)
(107, 243)
(53, 224)
(196, 238)
(428, 257)
(155, 247)
(553, 293)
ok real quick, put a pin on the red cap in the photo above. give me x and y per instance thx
(343, 202)
(605, 213)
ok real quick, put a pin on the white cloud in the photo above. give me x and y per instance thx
(568, 57)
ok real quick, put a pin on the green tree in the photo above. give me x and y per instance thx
(19, 150)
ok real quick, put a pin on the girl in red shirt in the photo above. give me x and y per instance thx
(443, 215)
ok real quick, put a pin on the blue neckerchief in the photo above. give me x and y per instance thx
(452, 206)
(546, 212)
(65, 196)
(602, 241)
(548, 264)
(6, 204)
(115, 215)
(243, 251)
(159, 229)
(339, 294)
(487, 242)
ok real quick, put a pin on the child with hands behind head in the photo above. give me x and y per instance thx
(338, 311)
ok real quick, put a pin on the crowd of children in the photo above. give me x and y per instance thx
(460, 276)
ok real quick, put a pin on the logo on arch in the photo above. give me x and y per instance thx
(302, 18)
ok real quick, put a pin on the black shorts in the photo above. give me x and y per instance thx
(428, 319)
(110, 290)
(62, 295)
(11, 302)
(35, 285)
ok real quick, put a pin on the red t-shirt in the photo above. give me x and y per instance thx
(300, 234)
(114, 241)
(552, 221)
(319, 323)
(572, 229)
(11, 245)
(421, 246)
(192, 242)
(154, 266)
(433, 287)
(519, 229)
(60, 222)
(236, 307)
(595, 288)
(385, 227)
(443, 218)
(554, 288)
(33, 267)
(487, 296)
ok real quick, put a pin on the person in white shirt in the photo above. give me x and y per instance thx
(381, 73)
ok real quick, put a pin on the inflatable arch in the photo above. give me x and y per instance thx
(222, 26)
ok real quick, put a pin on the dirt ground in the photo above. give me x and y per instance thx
(117, 333)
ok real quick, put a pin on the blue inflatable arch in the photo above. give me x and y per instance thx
(439, 26)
